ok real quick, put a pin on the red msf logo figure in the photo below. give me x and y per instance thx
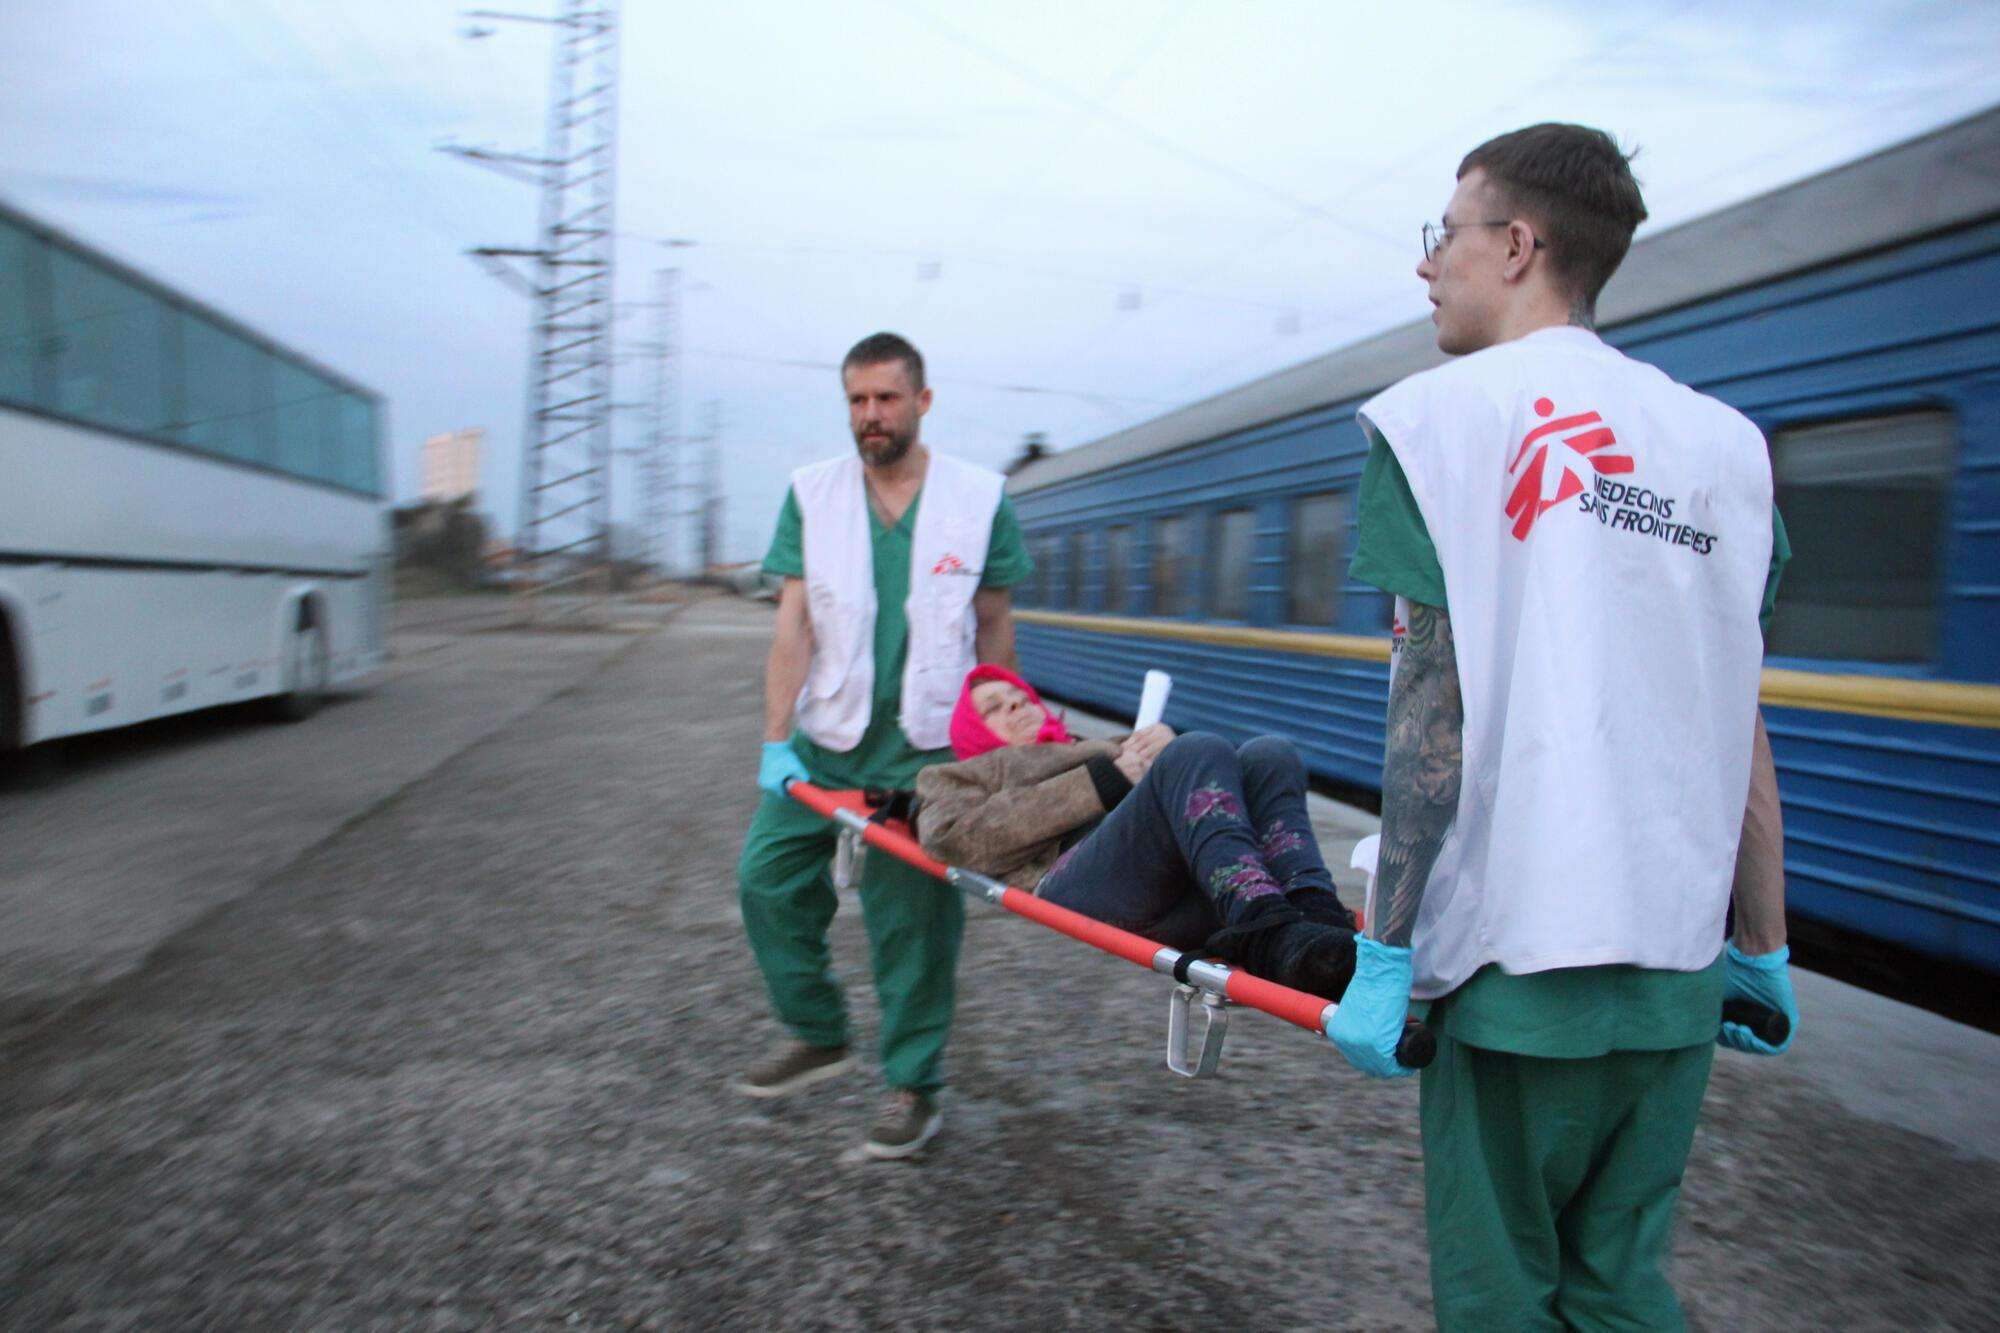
(951, 564)
(1543, 484)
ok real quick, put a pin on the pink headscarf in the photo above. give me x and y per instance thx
(969, 733)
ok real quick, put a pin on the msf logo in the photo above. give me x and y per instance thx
(1555, 455)
(951, 564)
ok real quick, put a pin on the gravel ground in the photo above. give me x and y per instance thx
(464, 1064)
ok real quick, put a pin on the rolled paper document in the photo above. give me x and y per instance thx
(1365, 853)
(1153, 699)
(1365, 856)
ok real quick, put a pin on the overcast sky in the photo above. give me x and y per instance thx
(1084, 213)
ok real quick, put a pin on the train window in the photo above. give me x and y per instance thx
(1864, 503)
(19, 338)
(1235, 535)
(1045, 570)
(1170, 567)
(1117, 561)
(109, 341)
(1317, 561)
(227, 402)
(1073, 567)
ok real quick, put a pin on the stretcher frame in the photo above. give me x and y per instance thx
(1193, 1050)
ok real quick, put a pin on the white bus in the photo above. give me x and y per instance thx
(190, 515)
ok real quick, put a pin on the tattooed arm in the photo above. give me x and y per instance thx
(1421, 772)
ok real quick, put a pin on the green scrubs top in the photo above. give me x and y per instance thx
(1568, 1013)
(884, 756)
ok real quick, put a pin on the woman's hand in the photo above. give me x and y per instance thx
(1141, 748)
(1151, 740)
(1130, 763)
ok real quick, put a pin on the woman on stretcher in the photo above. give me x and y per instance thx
(1187, 840)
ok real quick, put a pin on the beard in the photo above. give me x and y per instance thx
(887, 451)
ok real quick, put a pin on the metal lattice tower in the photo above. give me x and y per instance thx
(662, 467)
(566, 437)
(708, 504)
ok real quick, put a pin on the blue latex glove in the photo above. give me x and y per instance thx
(1764, 978)
(779, 765)
(1368, 1022)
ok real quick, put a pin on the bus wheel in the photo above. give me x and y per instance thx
(306, 675)
(12, 724)
(22, 767)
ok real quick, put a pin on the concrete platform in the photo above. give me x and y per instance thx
(455, 1052)
(121, 839)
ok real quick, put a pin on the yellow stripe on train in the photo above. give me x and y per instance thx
(1953, 703)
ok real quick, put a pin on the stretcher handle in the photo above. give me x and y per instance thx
(1767, 1025)
(1416, 1048)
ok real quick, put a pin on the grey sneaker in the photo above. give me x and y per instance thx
(908, 1120)
(792, 1065)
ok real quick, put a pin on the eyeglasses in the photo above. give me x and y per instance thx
(1435, 236)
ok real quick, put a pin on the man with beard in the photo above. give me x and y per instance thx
(896, 565)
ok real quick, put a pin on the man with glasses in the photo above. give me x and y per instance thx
(1576, 779)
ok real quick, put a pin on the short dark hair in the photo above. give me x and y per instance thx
(877, 348)
(1577, 187)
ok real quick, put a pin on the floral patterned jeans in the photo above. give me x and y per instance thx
(1209, 829)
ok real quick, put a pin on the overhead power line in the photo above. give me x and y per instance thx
(1040, 390)
(1137, 129)
(934, 265)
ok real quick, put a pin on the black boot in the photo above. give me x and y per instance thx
(1306, 955)
(1320, 905)
(1252, 924)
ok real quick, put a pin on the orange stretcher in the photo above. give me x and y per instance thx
(1215, 984)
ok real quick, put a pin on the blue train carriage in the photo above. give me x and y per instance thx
(1854, 316)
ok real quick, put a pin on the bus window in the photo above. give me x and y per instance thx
(20, 343)
(1170, 567)
(308, 422)
(356, 460)
(1235, 534)
(109, 341)
(1117, 560)
(1316, 564)
(1864, 505)
(226, 407)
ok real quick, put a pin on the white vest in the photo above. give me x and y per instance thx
(947, 556)
(1605, 535)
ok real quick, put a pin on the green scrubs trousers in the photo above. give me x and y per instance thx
(914, 926)
(1549, 1184)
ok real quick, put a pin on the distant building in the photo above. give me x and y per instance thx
(451, 464)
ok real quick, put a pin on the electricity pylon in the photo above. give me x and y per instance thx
(709, 504)
(662, 470)
(566, 438)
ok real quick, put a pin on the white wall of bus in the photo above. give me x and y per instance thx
(106, 645)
